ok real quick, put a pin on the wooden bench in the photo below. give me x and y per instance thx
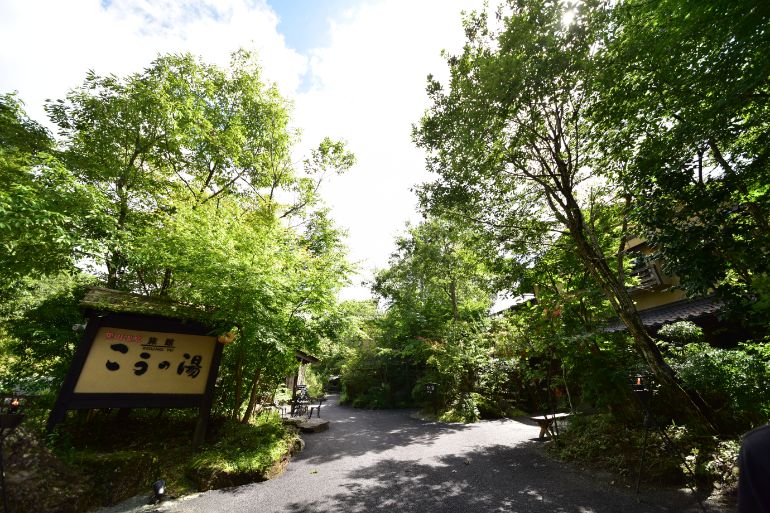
(546, 423)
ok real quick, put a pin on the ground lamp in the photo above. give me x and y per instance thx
(10, 418)
(158, 491)
(640, 386)
(430, 391)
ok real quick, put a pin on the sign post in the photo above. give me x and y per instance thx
(130, 360)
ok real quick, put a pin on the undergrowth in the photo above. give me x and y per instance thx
(122, 455)
(602, 443)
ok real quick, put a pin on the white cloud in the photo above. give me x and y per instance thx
(367, 85)
(369, 88)
(50, 45)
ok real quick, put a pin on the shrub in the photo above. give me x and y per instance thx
(379, 378)
(681, 333)
(313, 381)
(733, 381)
(464, 410)
(717, 464)
(243, 453)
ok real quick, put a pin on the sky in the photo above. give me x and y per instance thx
(355, 70)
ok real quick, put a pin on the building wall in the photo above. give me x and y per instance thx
(660, 295)
(646, 300)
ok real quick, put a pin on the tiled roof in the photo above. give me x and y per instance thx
(684, 310)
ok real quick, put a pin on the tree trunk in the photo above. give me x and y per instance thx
(114, 259)
(238, 383)
(252, 396)
(166, 283)
(621, 302)
(453, 296)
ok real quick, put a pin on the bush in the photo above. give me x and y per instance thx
(464, 410)
(600, 441)
(244, 453)
(379, 378)
(38, 334)
(732, 381)
(717, 464)
(681, 333)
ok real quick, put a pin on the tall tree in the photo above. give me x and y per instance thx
(683, 99)
(45, 213)
(437, 274)
(509, 138)
(184, 130)
(206, 206)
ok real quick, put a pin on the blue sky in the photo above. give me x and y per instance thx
(305, 23)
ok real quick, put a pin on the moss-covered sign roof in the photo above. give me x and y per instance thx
(116, 301)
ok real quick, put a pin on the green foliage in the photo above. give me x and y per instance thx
(600, 441)
(681, 333)
(378, 378)
(243, 453)
(436, 288)
(463, 409)
(45, 213)
(347, 328)
(186, 189)
(437, 274)
(734, 381)
(685, 108)
(123, 458)
(720, 464)
(315, 387)
(41, 327)
(455, 363)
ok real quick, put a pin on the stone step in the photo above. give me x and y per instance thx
(313, 425)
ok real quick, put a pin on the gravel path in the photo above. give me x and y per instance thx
(387, 461)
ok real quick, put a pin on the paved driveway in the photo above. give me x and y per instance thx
(386, 461)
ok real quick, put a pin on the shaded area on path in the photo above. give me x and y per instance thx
(385, 461)
(354, 433)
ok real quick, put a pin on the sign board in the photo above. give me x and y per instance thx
(141, 361)
(150, 362)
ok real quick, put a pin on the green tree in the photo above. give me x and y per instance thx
(45, 213)
(270, 282)
(509, 140)
(436, 291)
(682, 99)
(437, 274)
(190, 167)
(185, 131)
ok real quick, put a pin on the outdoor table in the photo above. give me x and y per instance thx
(546, 423)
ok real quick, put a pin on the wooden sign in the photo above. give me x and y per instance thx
(141, 361)
(146, 362)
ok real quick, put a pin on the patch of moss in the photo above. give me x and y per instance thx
(244, 454)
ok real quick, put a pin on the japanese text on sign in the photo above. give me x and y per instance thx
(132, 361)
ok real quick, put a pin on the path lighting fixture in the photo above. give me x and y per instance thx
(641, 385)
(10, 418)
(430, 391)
(158, 491)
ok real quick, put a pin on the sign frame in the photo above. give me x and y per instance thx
(68, 399)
